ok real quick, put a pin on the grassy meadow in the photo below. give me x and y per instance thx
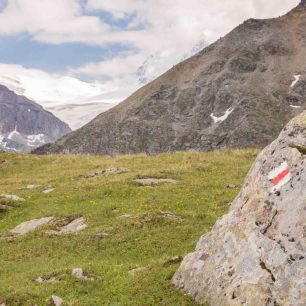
(163, 222)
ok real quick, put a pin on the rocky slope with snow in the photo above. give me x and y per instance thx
(25, 125)
(238, 92)
(256, 254)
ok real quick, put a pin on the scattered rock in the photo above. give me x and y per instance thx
(125, 216)
(231, 186)
(4, 207)
(105, 172)
(154, 181)
(56, 300)
(136, 270)
(49, 190)
(171, 215)
(29, 226)
(46, 280)
(256, 254)
(174, 260)
(32, 186)
(73, 227)
(11, 197)
(102, 235)
(80, 274)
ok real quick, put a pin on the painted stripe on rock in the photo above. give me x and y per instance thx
(279, 176)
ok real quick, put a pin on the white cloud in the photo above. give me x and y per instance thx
(118, 8)
(51, 21)
(173, 22)
(47, 88)
(173, 27)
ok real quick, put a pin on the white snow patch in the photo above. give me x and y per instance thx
(34, 140)
(2, 142)
(13, 133)
(296, 79)
(5, 146)
(222, 118)
(295, 106)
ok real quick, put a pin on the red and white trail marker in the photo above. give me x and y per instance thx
(280, 176)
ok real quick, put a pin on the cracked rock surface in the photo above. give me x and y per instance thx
(256, 254)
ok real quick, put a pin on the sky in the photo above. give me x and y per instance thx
(102, 43)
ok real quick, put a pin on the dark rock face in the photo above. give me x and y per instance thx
(25, 125)
(256, 254)
(238, 92)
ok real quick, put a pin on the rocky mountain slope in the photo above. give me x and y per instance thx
(25, 125)
(238, 92)
(256, 255)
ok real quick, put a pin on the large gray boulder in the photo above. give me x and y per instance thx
(256, 254)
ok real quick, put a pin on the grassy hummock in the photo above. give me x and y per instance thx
(132, 231)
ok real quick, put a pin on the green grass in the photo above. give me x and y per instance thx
(147, 240)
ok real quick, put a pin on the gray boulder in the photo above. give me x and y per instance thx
(256, 254)
(29, 226)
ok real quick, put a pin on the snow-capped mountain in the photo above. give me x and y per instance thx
(78, 102)
(158, 63)
(25, 125)
(69, 98)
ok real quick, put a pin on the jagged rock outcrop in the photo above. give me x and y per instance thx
(25, 125)
(256, 254)
(238, 92)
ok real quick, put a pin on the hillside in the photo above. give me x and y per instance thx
(129, 226)
(25, 125)
(238, 92)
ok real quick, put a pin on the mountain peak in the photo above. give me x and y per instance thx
(220, 98)
(302, 4)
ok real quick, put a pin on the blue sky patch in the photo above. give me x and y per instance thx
(20, 49)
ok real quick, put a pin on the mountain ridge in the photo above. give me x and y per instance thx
(235, 93)
(25, 125)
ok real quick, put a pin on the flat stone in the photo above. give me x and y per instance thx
(79, 274)
(136, 270)
(56, 300)
(32, 186)
(11, 197)
(170, 215)
(102, 235)
(105, 172)
(73, 227)
(125, 216)
(29, 226)
(173, 260)
(49, 190)
(4, 208)
(46, 280)
(231, 186)
(154, 181)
